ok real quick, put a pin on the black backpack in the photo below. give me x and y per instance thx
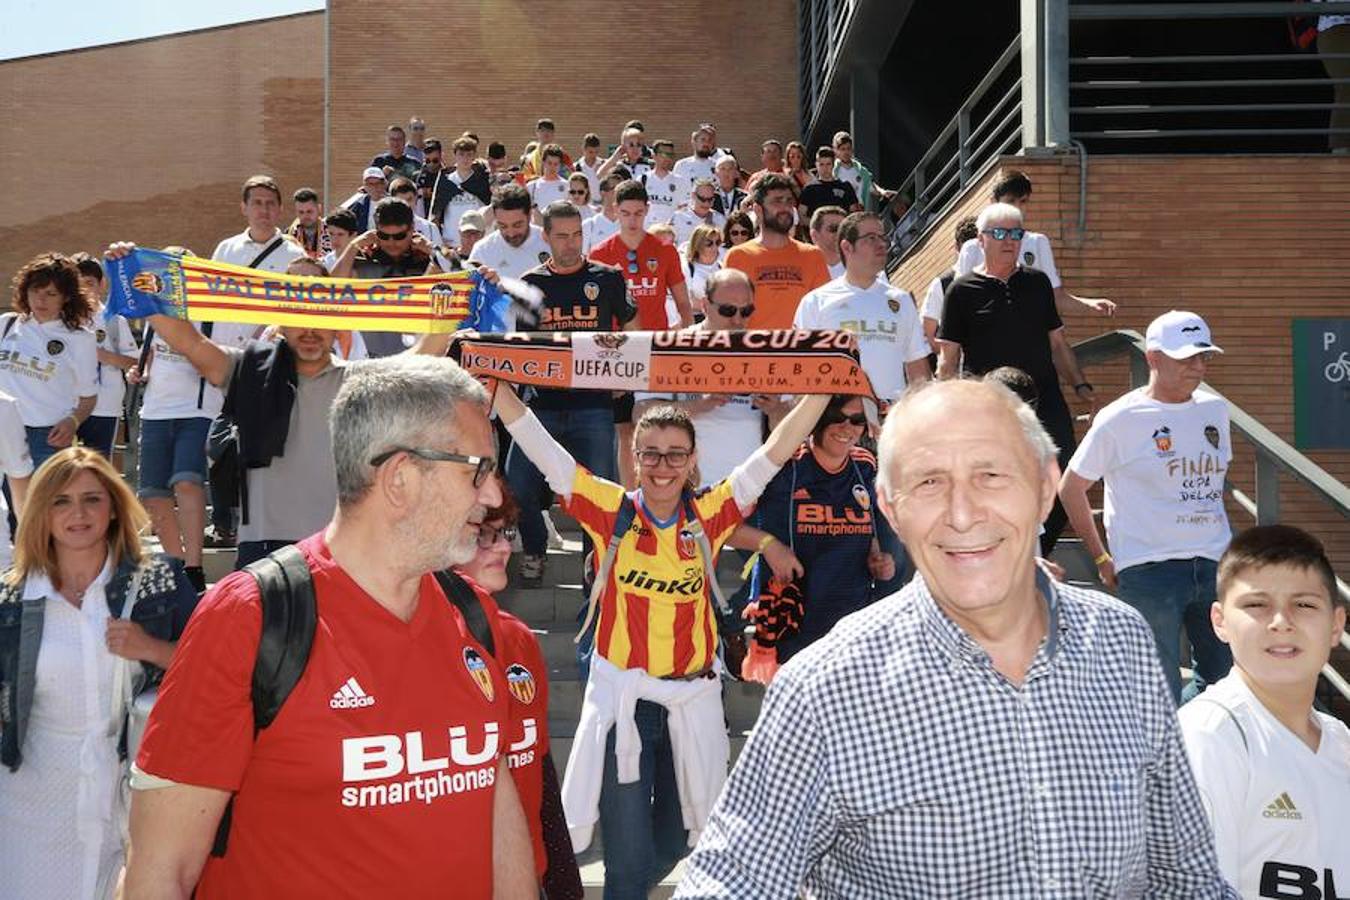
(289, 619)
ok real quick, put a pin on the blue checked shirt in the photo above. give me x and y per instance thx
(892, 760)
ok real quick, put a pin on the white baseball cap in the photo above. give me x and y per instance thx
(373, 172)
(1180, 335)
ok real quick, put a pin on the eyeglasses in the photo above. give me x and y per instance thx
(857, 419)
(483, 465)
(390, 236)
(577, 193)
(738, 232)
(704, 198)
(653, 458)
(419, 128)
(727, 310)
(1003, 234)
(491, 534)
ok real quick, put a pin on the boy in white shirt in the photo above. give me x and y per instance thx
(1273, 773)
(549, 186)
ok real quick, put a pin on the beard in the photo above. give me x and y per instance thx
(703, 154)
(428, 548)
(781, 223)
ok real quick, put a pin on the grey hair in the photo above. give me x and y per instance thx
(723, 277)
(397, 401)
(998, 212)
(889, 451)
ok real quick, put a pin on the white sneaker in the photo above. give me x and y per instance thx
(555, 540)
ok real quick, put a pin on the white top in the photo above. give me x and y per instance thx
(1164, 466)
(174, 385)
(427, 229)
(933, 300)
(512, 262)
(684, 221)
(852, 173)
(697, 280)
(882, 318)
(543, 192)
(592, 174)
(47, 367)
(836, 269)
(15, 462)
(1279, 810)
(240, 250)
(113, 335)
(1034, 252)
(597, 228)
(458, 206)
(60, 819)
(665, 194)
(691, 167)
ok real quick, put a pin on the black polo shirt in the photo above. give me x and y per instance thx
(1000, 323)
(593, 298)
(828, 193)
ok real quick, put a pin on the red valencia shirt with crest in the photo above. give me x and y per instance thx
(526, 740)
(651, 269)
(376, 779)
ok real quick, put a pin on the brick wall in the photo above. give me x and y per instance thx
(1248, 242)
(150, 140)
(495, 68)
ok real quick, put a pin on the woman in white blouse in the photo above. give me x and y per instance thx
(48, 353)
(702, 254)
(87, 621)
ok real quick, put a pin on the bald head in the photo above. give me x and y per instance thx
(727, 288)
(931, 405)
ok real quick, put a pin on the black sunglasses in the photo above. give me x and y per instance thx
(577, 193)
(703, 199)
(727, 310)
(857, 419)
(1000, 234)
(483, 465)
(390, 236)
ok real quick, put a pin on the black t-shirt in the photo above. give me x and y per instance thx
(828, 193)
(444, 189)
(1004, 324)
(404, 165)
(593, 298)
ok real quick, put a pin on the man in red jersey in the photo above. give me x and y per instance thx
(384, 774)
(652, 268)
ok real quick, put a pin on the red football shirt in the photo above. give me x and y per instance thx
(376, 779)
(651, 270)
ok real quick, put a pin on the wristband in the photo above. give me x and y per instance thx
(1083, 384)
(1105, 557)
(74, 419)
(764, 542)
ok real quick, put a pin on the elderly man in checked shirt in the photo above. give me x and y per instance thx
(982, 733)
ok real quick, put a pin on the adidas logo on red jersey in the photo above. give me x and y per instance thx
(350, 696)
(801, 494)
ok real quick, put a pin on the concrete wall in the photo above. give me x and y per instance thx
(150, 140)
(495, 68)
(1248, 242)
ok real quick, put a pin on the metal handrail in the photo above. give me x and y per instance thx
(1274, 456)
(1244, 10)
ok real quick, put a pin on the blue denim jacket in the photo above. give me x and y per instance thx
(166, 600)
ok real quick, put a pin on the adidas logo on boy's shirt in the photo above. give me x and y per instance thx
(350, 696)
(1281, 808)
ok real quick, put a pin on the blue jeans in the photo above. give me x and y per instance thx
(98, 433)
(641, 824)
(172, 450)
(586, 433)
(1170, 594)
(38, 448)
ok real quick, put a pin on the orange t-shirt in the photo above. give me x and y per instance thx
(781, 277)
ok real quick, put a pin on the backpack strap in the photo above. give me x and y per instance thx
(289, 620)
(623, 520)
(10, 319)
(464, 598)
(705, 552)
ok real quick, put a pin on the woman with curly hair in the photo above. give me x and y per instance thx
(88, 622)
(794, 161)
(48, 353)
(739, 229)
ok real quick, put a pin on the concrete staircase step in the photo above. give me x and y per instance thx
(217, 563)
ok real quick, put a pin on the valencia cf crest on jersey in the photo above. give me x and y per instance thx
(686, 543)
(478, 669)
(55, 347)
(893, 303)
(521, 683)
(861, 497)
(591, 290)
(1029, 258)
(100, 335)
(652, 264)
(543, 256)
(1212, 435)
(1162, 439)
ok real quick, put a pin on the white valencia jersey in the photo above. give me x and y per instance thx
(665, 194)
(1280, 812)
(1034, 252)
